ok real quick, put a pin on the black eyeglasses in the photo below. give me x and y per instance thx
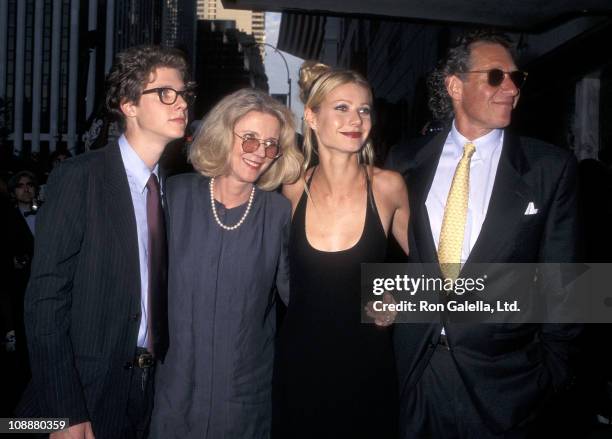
(496, 76)
(251, 144)
(169, 95)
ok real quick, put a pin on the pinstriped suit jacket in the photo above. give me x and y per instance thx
(82, 306)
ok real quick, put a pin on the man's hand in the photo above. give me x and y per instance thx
(78, 431)
(382, 318)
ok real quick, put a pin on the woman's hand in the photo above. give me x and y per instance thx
(382, 318)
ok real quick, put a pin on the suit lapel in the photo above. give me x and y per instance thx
(507, 205)
(22, 238)
(420, 182)
(120, 206)
(23, 226)
(163, 180)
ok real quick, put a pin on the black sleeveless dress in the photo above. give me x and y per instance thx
(335, 377)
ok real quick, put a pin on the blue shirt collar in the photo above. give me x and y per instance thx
(134, 166)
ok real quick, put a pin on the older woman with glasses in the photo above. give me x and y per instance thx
(228, 234)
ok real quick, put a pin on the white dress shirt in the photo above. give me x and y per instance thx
(483, 168)
(138, 175)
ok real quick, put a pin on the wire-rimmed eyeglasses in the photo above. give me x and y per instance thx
(251, 144)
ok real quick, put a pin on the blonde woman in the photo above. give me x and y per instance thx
(336, 376)
(228, 234)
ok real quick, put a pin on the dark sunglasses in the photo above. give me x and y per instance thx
(251, 144)
(169, 95)
(496, 76)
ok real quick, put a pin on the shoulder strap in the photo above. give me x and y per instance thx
(310, 178)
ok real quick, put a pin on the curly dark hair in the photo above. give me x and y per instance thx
(131, 72)
(456, 61)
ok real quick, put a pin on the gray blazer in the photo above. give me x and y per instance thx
(217, 377)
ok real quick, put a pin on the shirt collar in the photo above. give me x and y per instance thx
(134, 166)
(485, 145)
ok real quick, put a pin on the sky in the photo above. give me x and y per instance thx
(275, 68)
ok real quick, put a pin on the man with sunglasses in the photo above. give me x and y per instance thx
(96, 305)
(480, 194)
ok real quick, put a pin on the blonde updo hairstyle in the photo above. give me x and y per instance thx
(316, 81)
(210, 152)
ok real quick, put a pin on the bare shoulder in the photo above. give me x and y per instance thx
(387, 182)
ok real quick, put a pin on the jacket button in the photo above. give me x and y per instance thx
(128, 365)
(134, 317)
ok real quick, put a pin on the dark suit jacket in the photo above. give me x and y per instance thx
(509, 370)
(6, 269)
(21, 240)
(19, 243)
(83, 300)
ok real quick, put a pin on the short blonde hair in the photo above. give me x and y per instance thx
(317, 80)
(211, 149)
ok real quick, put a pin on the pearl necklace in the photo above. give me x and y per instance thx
(211, 186)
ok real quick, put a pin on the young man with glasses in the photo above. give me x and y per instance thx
(480, 194)
(96, 305)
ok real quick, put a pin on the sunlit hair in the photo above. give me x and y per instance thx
(317, 80)
(210, 152)
(457, 61)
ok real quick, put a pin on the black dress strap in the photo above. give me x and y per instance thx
(310, 178)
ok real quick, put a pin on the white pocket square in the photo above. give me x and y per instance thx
(531, 209)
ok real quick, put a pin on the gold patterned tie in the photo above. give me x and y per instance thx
(455, 214)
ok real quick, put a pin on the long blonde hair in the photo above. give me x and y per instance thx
(316, 81)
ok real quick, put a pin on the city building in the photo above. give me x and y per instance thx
(54, 56)
(249, 22)
(227, 60)
(179, 25)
